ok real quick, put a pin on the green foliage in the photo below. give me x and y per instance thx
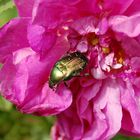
(122, 137)
(7, 11)
(5, 105)
(17, 126)
(5, 5)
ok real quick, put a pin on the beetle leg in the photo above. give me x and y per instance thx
(66, 84)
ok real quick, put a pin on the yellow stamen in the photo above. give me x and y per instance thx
(106, 50)
(94, 41)
(120, 60)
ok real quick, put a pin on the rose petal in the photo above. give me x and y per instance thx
(130, 101)
(24, 82)
(25, 7)
(115, 7)
(133, 8)
(131, 46)
(104, 110)
(84, 25)
(127, 25)
(40, 39)
(13, 36)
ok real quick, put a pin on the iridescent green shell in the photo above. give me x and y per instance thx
(67, 67)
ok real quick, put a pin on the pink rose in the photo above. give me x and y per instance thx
(94, 107)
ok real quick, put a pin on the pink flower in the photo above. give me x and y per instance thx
(24, 74)
(97, 106)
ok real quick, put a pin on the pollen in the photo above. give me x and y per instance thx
(120, 57)
(120, 60)
(106, 50)
(92, 39)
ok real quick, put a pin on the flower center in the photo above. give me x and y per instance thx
(92, 39)
(110, 51)
(104, 52)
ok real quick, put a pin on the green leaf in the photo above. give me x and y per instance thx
(4, 104)
(6, 6)
(122, 137)
(17, 126)
(7, 11)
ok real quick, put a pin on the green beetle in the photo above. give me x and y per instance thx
(67, 67)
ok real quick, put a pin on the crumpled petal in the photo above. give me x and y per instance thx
(24, 76)
(127, 25)
(115, 7)
(103, 26)
(13, 36)
(105, 115)
(84, 25)
(130, 100)
(135, 64)
(65, 11)
(131, 46)
(94, 113)
(133, 8)
(50, 17)
(25, 7)
(40, 39)
(24, 82)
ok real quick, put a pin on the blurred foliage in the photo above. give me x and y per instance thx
(7, 11)
(121, 137)
(17, 126)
